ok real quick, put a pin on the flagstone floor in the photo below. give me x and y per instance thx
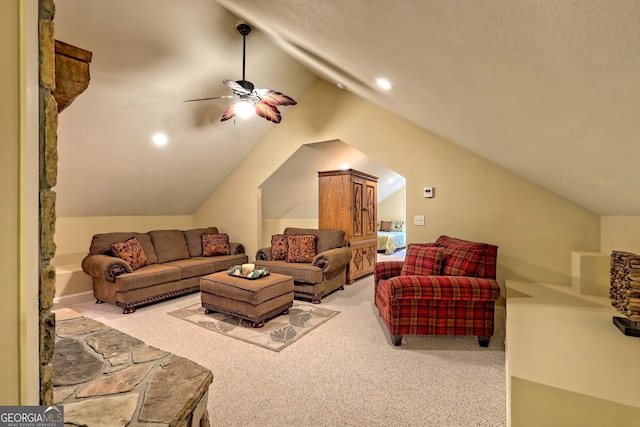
(105, 377)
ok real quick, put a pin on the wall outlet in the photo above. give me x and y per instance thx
(418, 220)
(428, 192)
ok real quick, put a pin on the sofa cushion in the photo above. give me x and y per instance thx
(146, 276)
(170, 245)
(101, 244)
(301, 272)
(463, 260)
(130, 251)
(301, 247)
(279, 246)
(224, 262)
(422, 261)
(215, 244)
(194, 239)
(193, 267)
(463, 257)
(327, 238)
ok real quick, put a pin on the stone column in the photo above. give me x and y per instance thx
(48, 176)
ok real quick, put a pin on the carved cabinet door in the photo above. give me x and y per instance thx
(357, 209)
(369, 210)
(364, 208)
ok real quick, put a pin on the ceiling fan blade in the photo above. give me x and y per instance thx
(236, 87)
(229, 112)
(208, 99)
(268, 111)
(274, 98)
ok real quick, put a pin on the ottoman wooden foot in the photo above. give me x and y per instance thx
(257, 324)
(208, 311)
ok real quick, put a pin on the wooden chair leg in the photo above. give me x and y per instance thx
(483, 341)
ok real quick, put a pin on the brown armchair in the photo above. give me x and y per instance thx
(442, 288)
(325, 273)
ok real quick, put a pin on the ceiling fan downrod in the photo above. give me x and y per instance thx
(244, 29)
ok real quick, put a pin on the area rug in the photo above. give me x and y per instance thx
(276, 334)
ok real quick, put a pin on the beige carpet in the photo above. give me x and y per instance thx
(344, 373)
(276, 334)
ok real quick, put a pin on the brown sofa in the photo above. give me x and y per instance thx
(325, 274)
(174, 266)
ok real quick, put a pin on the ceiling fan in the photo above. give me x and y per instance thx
(263, 102)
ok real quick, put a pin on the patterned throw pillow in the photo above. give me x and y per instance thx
(397, 225)
(385, 225)
(130, 251)
(301, 247)
(463, 260)
(279, 247)
(422, 261)
(215, 244)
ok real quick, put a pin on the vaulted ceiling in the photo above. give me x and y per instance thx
(549, 90)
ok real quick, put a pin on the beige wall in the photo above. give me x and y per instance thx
(19, 232)
(535, 229)
(10, 189)
(393, 207)
(620, 233)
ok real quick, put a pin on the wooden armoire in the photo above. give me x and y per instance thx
(348, 200)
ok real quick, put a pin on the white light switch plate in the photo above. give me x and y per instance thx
(418, 220)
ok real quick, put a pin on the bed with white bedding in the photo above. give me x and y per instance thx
(391, 241)
(391, 236)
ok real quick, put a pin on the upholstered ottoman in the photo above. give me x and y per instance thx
(253, 300)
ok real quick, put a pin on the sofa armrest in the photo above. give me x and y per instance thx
(454, 288)
(264, 254)
(236, 248)
(386, 270)
(333, 259)
(105, 266)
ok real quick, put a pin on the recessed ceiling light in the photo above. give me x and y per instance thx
(384, 83)
(160, 139)
(341, 85)
(344, 166)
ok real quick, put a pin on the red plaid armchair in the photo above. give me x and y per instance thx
(442, 288)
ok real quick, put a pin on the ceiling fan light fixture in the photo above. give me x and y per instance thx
(262, 102)
(244, 109)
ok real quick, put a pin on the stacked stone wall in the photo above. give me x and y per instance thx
(48, 149)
